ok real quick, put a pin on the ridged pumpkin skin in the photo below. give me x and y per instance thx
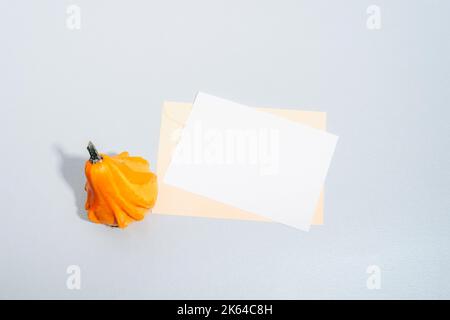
(120, 189)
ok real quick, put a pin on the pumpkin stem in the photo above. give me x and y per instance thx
(95, 156)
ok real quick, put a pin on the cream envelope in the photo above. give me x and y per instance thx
(175, 201)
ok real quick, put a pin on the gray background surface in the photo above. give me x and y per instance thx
(387, 97)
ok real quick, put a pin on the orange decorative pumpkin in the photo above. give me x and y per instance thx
(120, 189)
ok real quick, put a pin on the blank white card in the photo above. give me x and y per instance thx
(252, 160)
